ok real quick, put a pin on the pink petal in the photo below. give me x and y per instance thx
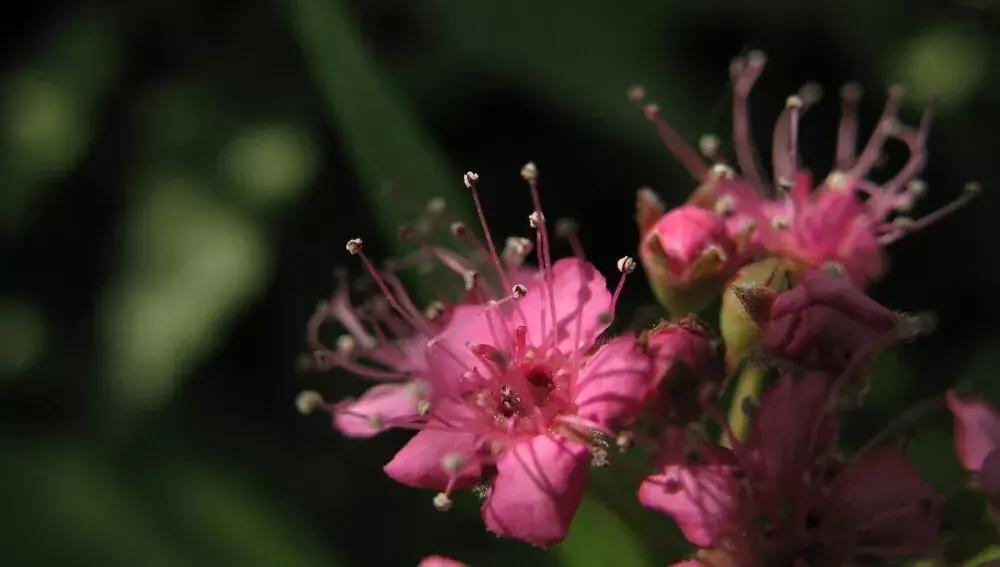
(614, 383)
(419, 462)
(580, 292)
(377, 409)
(440, 561)
(977, 429)
(537, 490)
(881, 505)
(703, 497)
(778, 453)
(989, 478)
(449, 354)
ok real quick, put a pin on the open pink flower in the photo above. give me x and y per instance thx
(524, 396)
(977, 441)
(847, 220)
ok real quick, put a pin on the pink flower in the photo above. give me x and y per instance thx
(827, 324)
(379, 346)
(977, 441)
(844, 222)
(524, 396)
(697, 487)
(782, 496)
(687, 366)
(687, 254)
(440, 561)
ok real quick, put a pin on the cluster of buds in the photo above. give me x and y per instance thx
(516, 387)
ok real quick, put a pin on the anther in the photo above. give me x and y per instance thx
(309, 401)
(470, 277)
(625, 441)
(851, 91)
(626, 265)
(708, 145)
(519, 291)
(434, 310)
(794, 101)
(442, 502)
(973, 188)
(811, 93)
(346, 344)
(636, 93)
(536, 219)
(470, 179)
(354, 246)
(756, 58)
(458, 228)
(836, 181)
(785, 183)
(436, 205)
(651, 111)
(725, 205)
(834, 268)
(780, 223)
(916, 187)
(529, 172)
(423, 407)
(896, 92)
(722, 171)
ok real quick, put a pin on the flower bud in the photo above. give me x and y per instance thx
(687, 255)
(686, 362)
(745, 303)
(827, 324)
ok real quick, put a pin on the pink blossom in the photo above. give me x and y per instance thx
(977, 441)
(847, 220)
(687, 366)
(440, 561)
(782, 496)
(524, 395)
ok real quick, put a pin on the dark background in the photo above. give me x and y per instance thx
(178, 179)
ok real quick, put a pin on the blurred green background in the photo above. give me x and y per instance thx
(178, 179)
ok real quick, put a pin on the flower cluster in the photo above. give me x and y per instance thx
(516, 386)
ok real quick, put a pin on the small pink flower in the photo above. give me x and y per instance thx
(440, 561)
(977, 441)
(827, 324)
(847, 220)
(696, 486)
(687, 255)
(687, 365)
(525, 396)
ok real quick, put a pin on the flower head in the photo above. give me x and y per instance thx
(687, 366)
(847, 219)
(524, 394)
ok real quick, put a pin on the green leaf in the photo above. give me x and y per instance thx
(385, 141)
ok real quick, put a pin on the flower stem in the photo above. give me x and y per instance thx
(748, 385)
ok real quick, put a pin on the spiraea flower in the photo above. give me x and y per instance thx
(783, 497)
(523, 394)
(843, 223)
(977, 442)
(381, 345)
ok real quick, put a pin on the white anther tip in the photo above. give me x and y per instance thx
(470, 178)
(309, 401)
(529, 172)
(626, 264)
(354, 246)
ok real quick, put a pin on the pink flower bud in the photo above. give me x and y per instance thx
(827, 324)
(440, 561)
(687, 255)
(977, 441)
(686, 364)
